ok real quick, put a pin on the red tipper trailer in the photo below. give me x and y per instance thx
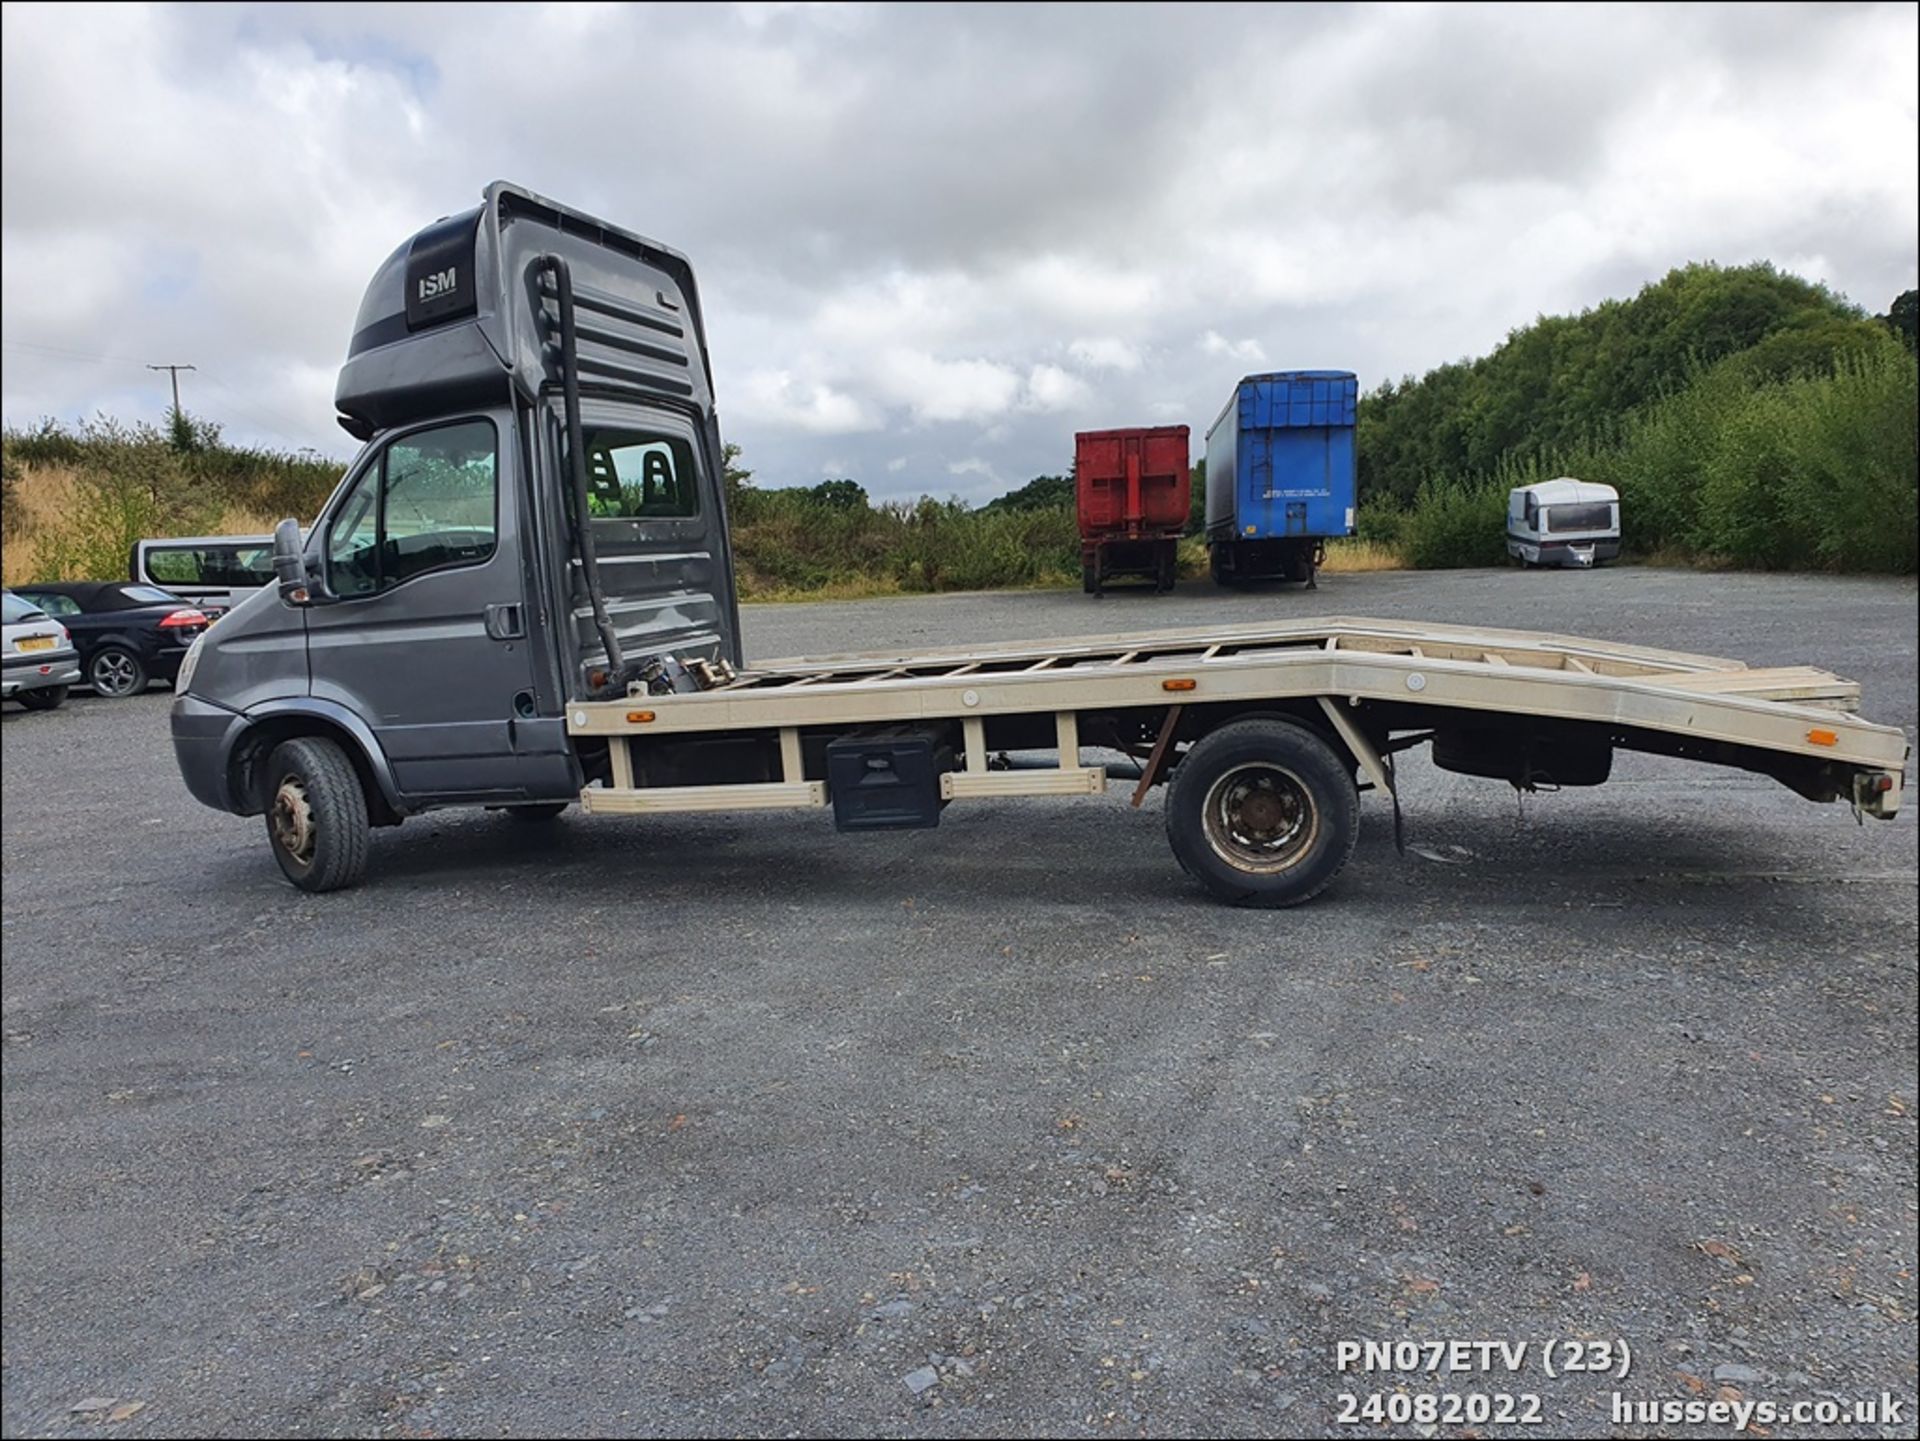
(1132, 489)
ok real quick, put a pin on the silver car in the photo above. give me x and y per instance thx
(37, 656)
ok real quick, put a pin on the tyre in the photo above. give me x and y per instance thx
(1263, 812)
(1089, 577)
(1167, 569)
(48, 698)
(316, 814)
(546, 811)
(116, 672)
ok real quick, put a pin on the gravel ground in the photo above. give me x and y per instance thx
(709, 1125)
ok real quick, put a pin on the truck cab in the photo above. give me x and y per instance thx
(536, 501)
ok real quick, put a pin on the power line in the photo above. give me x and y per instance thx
(264, 416)
(66, 354)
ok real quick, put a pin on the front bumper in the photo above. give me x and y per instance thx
(39, 671)
(165, 664)
(1578, 552)
(203, 736)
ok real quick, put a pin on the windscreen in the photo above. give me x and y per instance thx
(1596, 516)
(15, 611)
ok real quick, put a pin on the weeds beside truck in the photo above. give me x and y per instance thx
(521, 596)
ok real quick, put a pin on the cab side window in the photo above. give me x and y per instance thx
(428, 502)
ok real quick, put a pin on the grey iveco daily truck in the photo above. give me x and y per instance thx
(521, 597)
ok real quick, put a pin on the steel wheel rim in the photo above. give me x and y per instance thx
(294, 830)
(1260, 818)
(113, 673)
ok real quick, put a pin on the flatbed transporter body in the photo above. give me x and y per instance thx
(521, 597)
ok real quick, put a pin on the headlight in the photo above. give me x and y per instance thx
(187, 664)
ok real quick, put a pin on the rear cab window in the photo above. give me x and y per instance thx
(638, 474)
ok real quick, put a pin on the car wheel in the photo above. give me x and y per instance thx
(50, 698)
(116, 672)
(316, 814)
(546, 811)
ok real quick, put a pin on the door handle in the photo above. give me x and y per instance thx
(504, 621)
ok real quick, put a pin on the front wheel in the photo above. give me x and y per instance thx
(116, 672)
(316, 814)
(48, 698)
(1263, 812)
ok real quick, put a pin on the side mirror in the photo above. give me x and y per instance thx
(290, 563)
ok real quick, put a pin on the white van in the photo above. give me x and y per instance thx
(1563, 522)
(215, 572)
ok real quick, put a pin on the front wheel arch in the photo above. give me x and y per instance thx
(247, 763)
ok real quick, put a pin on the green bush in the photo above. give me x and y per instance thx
(798, 540)
(1456, 523)
(1381, 522)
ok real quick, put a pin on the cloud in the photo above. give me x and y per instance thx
(897, 260)
(1105, 353)
(774, 398)
(933, 389)
(1214, 343)
(1050, 388)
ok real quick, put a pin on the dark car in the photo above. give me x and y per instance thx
(128, 634)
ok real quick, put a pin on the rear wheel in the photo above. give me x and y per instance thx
(1167, 567)
(1263, 812)
(116, 672)
(316, 814)
(48, 698)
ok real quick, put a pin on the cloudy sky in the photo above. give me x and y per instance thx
(933, 242)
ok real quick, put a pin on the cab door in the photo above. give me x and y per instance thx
(422, 625)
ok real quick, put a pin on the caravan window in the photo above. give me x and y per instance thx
(1596, 516)
(1533, 511)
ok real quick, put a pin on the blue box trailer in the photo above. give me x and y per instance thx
(1280, 474)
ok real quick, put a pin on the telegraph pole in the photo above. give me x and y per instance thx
(174, 372)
